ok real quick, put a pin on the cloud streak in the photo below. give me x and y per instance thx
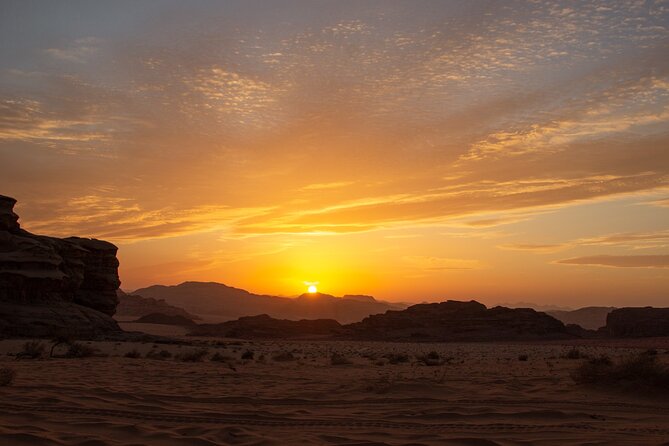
(631, 261)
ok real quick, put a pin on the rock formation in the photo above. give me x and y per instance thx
(445, 321)
(138, 306)
(459, 321)
(265, 327)
(165, 319)
(51, 286)
(638, 322)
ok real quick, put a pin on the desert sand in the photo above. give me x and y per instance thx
(483, 394)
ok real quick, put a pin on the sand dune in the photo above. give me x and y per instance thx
(483, 395)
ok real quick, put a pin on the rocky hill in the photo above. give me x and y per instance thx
(265, 327)
(459, 321)
(445, 321)
(138, 306)
(51, 286)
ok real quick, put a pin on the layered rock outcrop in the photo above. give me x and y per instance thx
(638, 322)
(166, 319)
(459, 321)
(265, 327)
(439, 322)
(51, 286)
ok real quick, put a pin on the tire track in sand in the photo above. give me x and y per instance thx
(282, 422)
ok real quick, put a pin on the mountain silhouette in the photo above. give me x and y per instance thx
(218, 302)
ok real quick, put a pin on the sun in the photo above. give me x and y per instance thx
(312, 289)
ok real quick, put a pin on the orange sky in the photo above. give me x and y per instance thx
(415, 151)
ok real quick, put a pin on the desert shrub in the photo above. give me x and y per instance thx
(638, 371)
(59, 340)
(7, 376)
(134, 354)
(163, 354)
(651, 352)
(430, 359)
(222, 358)
(31, 350)
(593, 371)
(397, 358)
(79, 350)
(248, 354)
(339, 359)
(284, 356)
(523, 357)
(370, 355)
(574, 353)
(196, 355)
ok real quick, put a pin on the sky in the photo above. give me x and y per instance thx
(512, 151)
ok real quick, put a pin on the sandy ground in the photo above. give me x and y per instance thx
(484, 395)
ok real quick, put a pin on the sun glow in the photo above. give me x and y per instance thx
(312, 289)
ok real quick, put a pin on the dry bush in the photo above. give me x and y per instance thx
(431, 359)
(248, 354)
(396, 358)
(283, 357)
(79, 350)
(222, 358)
(31, 350)
(339, 359)
(575, 353)
(638, 372)
(523, 357)
(134, 354)
(196, 355)
(163, 354)
(7, 376)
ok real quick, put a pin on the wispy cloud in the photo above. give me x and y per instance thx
(79, 51)
(540, 248)
(630, 261)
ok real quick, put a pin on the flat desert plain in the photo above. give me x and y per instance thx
(324, 393)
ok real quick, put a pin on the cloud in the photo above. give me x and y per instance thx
(539, 248)
(125, 220)
(636, 240)
(79, 51)
(663, 203)
(629, 261)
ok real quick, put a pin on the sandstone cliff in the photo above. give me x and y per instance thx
(51, 286)
(638, 322)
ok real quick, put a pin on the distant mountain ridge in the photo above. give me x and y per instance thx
(591, 318)
(217, 302)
